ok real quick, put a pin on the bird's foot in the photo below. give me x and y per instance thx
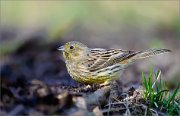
(106, 83)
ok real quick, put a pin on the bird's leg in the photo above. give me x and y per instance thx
(97, 86)
(92, 87)
(116, 89)
(106, 83)
(113, 93)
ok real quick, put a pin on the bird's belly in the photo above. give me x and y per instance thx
(84, 76)
(93, 80)
(96, 78)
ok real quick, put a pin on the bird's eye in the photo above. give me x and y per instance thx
(71, 47)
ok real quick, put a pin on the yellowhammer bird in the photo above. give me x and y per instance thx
(97, 65)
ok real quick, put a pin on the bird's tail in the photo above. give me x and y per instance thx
(149, 53)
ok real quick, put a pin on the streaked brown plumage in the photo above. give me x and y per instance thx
(97, 65)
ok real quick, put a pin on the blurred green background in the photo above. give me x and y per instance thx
(131, 25)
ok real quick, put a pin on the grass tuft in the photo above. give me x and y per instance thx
(158, 96)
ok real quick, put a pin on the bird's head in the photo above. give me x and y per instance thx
(73, 50)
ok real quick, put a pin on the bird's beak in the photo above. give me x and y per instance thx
(61, 48)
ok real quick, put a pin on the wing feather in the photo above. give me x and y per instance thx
(101, 58)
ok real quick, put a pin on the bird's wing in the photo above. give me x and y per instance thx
(102, 58)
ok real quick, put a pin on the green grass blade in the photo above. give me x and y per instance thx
(145, 84)
(173, 96)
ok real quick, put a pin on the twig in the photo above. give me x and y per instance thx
(113, 109)
(109, 102)
(154, 111)
(128, 113)
(145, 113)
(117, 103)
